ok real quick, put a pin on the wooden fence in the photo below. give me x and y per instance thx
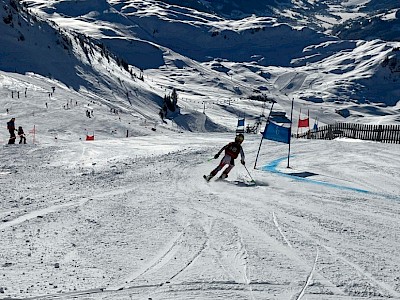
(379, 133)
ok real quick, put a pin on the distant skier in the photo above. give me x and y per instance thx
(232, 151)
(11, 130)
(21, 134)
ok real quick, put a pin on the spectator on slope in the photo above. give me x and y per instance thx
(21, 135)
(232, 151)
(11, 130)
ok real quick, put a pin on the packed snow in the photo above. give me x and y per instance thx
(132, 218)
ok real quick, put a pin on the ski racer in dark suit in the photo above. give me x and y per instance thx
(232, 151)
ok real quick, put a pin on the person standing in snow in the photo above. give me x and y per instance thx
(232, 151)
(21, 134)
(11, 130)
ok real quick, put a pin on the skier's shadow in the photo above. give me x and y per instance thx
(302, 174)
(249, 183)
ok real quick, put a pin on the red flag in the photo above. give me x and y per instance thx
(33, 131)
(304, 122)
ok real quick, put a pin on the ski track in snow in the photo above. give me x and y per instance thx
(216, 226)
(41, 213)
(350, 264)
(233, 263)
(309, 277)
(158, 260)
(393, 293)
(313, 265)
(280, 230)
(250, 229)
(308, 281)
(162, 259)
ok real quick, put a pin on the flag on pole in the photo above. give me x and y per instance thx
(240, 126)
(304, 122)
(33, 130)
(277, 133)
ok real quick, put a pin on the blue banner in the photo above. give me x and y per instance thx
(279, 119)
(277, 133)
(240, 122)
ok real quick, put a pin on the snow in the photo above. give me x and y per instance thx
(132, 218)
(129, 216)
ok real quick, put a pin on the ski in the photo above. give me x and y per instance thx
(206, 178)
(236, 182)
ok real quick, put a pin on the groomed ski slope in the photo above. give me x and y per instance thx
(134, 219)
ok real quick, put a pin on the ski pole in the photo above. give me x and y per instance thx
(249, 173)
(214, 157)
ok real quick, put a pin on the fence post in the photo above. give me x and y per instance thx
(330, 134)
(380, 133)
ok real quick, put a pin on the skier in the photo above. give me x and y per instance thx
(21, 135)
(232, 151)
(11, 130)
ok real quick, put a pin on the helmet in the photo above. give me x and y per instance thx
(239, 138)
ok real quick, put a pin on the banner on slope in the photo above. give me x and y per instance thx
(277, 133)
(240, 126)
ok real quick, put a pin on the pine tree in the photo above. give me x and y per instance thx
(174, 99)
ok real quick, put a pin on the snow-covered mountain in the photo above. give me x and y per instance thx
(316, 14)
(286, 50)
